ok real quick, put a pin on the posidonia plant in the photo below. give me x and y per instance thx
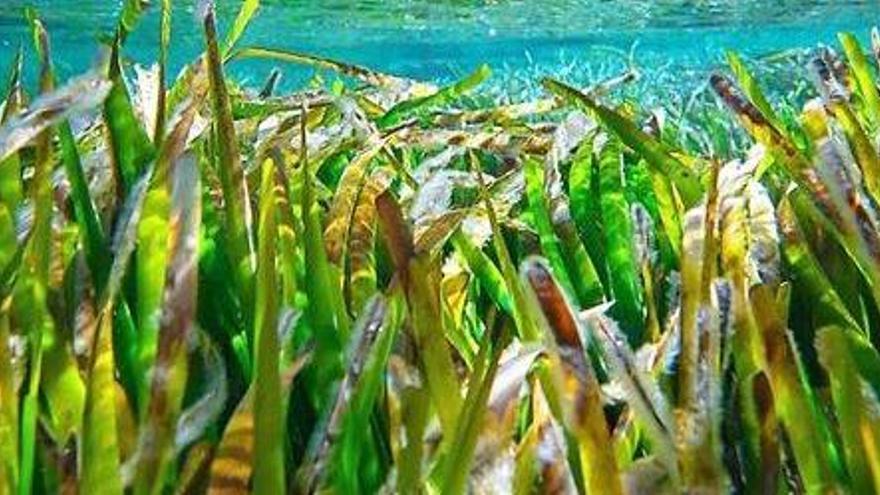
(380, 285)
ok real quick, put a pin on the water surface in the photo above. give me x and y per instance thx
(443, 39)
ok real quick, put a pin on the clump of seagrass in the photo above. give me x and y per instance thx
(384, 285)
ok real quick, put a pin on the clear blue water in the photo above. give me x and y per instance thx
(442, 39)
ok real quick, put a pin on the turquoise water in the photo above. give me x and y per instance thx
(671, 41)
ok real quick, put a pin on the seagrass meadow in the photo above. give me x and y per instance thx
(373, 284)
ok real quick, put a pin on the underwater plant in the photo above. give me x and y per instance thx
(382, 285)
